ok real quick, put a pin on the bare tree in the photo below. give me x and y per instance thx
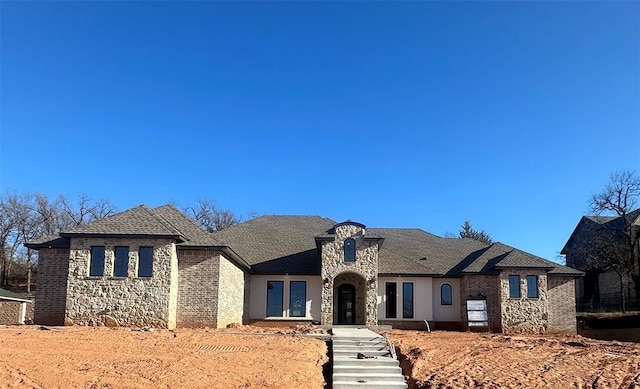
(467, 231)
(210, 217)
(618, 248)
(24, 217)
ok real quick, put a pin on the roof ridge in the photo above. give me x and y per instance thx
(162, 220)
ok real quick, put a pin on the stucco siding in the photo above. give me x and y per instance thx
(258, 296)
(422, 298)
(230, 293)
(446, 312)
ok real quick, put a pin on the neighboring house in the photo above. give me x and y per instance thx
(13, 307)
(157, 267)
(584, 250)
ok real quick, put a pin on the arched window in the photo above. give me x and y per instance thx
(446, 295)
(349, 250)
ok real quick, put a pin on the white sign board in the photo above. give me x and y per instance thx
(476, 305)
(477, 313)
(478, 324)
(477, 316)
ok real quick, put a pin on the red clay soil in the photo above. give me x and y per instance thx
(81, 357)
(472, 360)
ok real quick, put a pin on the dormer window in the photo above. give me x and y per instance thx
(349, 250)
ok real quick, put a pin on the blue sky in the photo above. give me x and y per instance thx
(393, 114)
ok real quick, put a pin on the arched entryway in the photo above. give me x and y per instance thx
(349, 296)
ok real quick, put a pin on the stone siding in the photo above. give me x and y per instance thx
(488, 286)
(562, 304)
(198, 288)
(11, 312)
(130, 300)
(524, 314)
(230, 294)
(51, 292)
(365, 266)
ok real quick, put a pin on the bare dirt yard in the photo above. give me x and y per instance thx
(255, 357)
(472, 360)
(81, 357)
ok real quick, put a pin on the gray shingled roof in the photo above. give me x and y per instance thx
(48, 241)
(278, 244)
(135, 221)
(7, 295)
(194, 234)
(285, 244)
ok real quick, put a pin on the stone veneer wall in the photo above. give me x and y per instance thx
(11, 312)
(130, 300)
(51, 292)
(524, 314)
(198, 287)
(366, 266)
(488, 286)
(230, 294)
(562, 304)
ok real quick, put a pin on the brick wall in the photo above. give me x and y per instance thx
(230, 293)
(198, 287)
(51, 293)
(488, 286)
(562, 304)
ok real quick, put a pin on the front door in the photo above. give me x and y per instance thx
(346, 304)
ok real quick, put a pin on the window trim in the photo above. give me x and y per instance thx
(413, 302)
(442, 302)
(537, 288)
(388, 301)
(266, 311)
(92, 261)
(115, 261)
(140, 258)
(515, 277)
(304, 302)
(350, 259)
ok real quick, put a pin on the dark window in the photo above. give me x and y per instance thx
(297, 298)
(96, 267)
(407, 300)
(145, 262)
(349, 250)
(121, 264)
(532, 287)
(275, 294)
(391, 300)
(446, 295)
(514, 287)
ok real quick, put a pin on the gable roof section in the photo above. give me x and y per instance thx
(414, 251)
(284, 244)
(10, 296)
(194, 234)
(277, 244)
(138, 221)
(51, 241)
(591, 224)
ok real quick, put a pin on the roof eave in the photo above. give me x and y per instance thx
(179, 238)
(16, 299)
